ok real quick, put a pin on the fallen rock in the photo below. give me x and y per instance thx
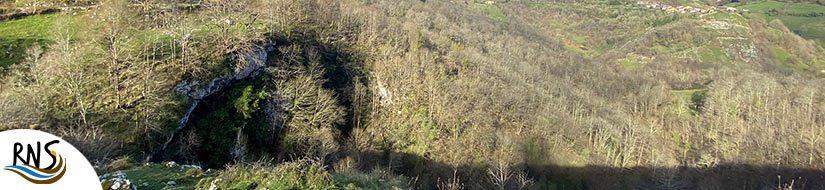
(120, 174)
(186, 166)
(119, 181)
(171, 183)
(213, 185)
(171, 164)
(116, 185)
(104, 176)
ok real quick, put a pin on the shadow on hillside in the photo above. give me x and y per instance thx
(212, 130)
(342, 70)
(426, 174)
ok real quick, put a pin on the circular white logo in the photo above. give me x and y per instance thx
(36, 160)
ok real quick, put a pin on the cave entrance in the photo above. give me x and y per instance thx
(240, 121)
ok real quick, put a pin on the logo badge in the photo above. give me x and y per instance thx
(35, 174)
(38, 160)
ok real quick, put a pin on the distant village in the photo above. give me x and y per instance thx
(686, 9)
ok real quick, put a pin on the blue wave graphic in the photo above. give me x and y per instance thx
(29, 171)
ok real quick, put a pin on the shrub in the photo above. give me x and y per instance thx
(120, 164)
(300, 174)
(194, 172)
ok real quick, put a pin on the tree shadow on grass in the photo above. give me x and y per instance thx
(428, 174)
(13, 51)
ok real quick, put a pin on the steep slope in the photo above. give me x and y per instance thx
(609, 85)
(435, 94)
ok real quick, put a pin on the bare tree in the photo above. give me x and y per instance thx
(453, 184)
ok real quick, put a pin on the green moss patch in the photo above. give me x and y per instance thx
(781, 55)
(732, 18)
(155, 176)
(788, 60)
(492, 10)
(713, 55)
(633, 61)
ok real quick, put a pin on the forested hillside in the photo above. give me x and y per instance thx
(436, 94)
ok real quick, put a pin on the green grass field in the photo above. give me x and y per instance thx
(686, 101)
(805, 9)
(713, 55)
(155, 176)
(18, 35)
(633, 61)
(788, 60)
(732, 18)
(492, 10)
(808, 27)
(762, 6)
(805, 19)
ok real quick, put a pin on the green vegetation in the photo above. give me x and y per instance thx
(660, 49)
(291, 175)
(492, 10)
(248, 102)
(409, 94)
(18, 35)
(633, 61)
(788, 60)
(713, 55)
(119, 164)
(807, 27)
(729, 17)
(805, 19)
(155, 176)
(762, 6)
(805, 10)
(218, 121)
(377, 179)
(579, 44)
(689, 102)
(776, 34)
(45, 3)
(782, 56)
(301, 174)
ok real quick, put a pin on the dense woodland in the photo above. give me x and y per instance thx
(436, 94)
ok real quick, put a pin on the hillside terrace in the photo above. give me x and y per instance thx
(686, 9)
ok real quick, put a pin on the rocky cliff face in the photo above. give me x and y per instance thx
(197, 90)
(256, 60)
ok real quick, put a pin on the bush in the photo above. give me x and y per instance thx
(300, 174)
(120, 164)
(194, 172)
